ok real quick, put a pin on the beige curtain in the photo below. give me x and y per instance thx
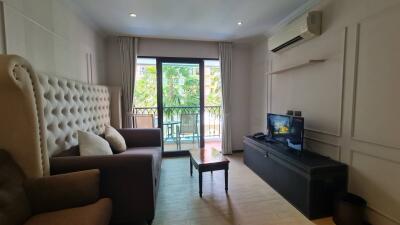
(225, 58)
(128, 54)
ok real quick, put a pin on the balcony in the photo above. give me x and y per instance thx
(173, 124)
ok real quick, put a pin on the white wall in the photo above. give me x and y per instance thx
(113, 71)
(158, 48)
(196, 49)
(350, 101)
(240, 94)
(177, 48)
(54, 39)
(258, 86)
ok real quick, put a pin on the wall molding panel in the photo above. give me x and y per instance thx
(381, 152)
(354, 93)
(338, 133)
(378, 151)
(54, 39)
(324, 148)
(31, 20)
(382, 23)
(365, 136)
(329, 139)
(375, 182)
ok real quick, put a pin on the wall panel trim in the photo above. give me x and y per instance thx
(323, 132)
(3, 40)
(355, 82)
(35, 22)
(376, 211)
(354, 150)
(355, 94)
(372, 208)
(339, 132)
(338, 147)
(322, 141)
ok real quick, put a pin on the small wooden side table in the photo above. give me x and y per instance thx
(208, 159)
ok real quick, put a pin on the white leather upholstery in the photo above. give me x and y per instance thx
(41, 114)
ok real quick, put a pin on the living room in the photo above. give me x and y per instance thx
(174, 92)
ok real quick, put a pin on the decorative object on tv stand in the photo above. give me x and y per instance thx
(297, 113)
(290, 113)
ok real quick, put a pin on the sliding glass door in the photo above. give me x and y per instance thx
(181, 109)
(183, 98)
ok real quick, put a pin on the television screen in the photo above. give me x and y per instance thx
(286, 129)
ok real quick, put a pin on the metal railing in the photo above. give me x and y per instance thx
(212, 116)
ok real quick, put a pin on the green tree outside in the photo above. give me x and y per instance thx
(146, 88)
(180, 86)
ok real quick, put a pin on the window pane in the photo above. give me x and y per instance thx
(212, 103)
(145, 94)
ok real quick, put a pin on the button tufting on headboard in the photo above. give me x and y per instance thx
(46, 111)
(70, 106)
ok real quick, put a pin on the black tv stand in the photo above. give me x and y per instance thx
(269, 140)
(307, 180)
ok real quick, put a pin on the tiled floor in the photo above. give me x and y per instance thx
(250, 200)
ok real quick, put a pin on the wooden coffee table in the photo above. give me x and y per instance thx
(208, 159)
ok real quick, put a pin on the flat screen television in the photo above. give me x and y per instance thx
(288, 130)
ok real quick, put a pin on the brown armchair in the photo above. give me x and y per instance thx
(56, 200)
(130, 178)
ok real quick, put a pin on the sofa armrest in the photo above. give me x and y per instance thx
(64, 191)
(127, 179)
(141, 137)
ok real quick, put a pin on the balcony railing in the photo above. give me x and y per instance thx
(212, 116)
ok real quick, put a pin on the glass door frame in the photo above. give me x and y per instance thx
(160, 61)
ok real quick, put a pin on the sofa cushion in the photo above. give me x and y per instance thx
(115, 139)
(14, 204)
(98, 213)
(92, 144)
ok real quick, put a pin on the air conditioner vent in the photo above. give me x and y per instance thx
(290, 42)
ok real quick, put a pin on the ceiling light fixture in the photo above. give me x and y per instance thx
(132, 14)
(240, 23)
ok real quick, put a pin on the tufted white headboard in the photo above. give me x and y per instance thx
(41, 114)
(69, 106)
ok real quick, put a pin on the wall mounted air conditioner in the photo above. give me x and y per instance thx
(299, 30)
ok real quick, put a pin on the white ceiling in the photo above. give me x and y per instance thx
(188, 19)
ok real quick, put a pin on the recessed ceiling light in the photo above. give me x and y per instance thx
(132, 14)
(240, 23)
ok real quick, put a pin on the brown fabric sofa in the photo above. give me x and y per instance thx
(130, 178)
(56, 200)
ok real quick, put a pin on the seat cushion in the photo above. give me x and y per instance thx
(155, 151)
(98, 213)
